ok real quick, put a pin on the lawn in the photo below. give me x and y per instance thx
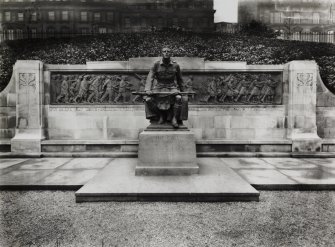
(281, 218)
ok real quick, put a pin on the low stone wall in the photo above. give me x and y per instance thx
(126, 122)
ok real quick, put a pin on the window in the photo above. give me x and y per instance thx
(10, 33)
(33, 16)
(97, 16)
(51, 15)
(33, 32)
(19, 34)
(175, 21)
(330, 37)
(204, 22)
(110, 16)
(127, 22)
(296, 18)
(296, 36)
(20, 16)
(50, 32)
(160, 22)
(276, 17)
(316, 18)
(7, 16)
(65, 15)
(316, 37)
(190, 22)
(102, 30)
(83, 16)
(144, 22)
(84, 31)
(0, 16)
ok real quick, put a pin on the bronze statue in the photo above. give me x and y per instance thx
(164, 101)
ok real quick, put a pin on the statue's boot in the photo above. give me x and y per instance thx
(161, 119)
(174, 123)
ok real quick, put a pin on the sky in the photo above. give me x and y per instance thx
(226, 10)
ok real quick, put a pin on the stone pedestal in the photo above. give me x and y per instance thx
(166, 152)
(29, 123)
(302, 128)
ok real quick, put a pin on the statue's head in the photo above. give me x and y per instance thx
(166, 52)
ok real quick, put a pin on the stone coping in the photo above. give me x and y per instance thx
(143, 65)
(191, 106)
(135, 142)
(89, 142)
(135, 155)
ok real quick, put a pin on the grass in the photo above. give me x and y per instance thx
(52, 218)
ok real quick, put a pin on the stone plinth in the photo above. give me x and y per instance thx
(30, 94)
(302, 128)
(166, 153)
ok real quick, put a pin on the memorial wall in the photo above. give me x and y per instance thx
(279, 108)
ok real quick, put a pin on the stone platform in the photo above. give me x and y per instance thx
(216, 182)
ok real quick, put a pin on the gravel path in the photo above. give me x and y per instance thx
(52, 218)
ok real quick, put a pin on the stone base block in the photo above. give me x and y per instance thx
(166, 153)
(27, 142)
(307, 144)
(26, 146)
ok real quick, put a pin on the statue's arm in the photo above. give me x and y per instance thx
(150, 79)
(179, 79)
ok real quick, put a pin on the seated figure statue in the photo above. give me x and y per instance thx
(164, 101)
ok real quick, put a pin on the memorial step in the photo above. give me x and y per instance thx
(215, 182)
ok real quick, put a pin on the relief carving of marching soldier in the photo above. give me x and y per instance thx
(269, 89)
(83, 90)
(257, 85)
(93, 88)
(189, 88)
(109, 87)
(228, 90)
(213, 90)
(124, 88)
(63, 97)
(141, 87)
(242, 88)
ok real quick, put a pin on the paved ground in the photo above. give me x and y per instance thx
(263, 173)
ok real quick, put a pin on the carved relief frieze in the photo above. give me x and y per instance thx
(209, 88)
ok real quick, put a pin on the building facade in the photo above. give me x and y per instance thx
(293, 17)
(35, 18)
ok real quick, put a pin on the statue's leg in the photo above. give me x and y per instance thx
(176, 111)
(151, 110)
(184, 108)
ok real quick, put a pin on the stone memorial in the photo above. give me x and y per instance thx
(228, 106)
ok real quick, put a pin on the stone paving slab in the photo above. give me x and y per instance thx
(262, 173)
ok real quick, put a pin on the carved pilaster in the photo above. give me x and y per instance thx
(302, 128)
(29, 88)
